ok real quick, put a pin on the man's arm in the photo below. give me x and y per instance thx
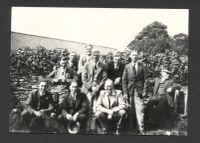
(100, 106)
(145, 80)
(81, 64)
(85, 78)
(84, 104)
(121, 103)
(125, 81)
(50, 108)
(52, 74)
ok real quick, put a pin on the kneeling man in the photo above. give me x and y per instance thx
(111, 108)
(74, 107)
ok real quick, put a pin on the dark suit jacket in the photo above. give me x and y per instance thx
(88, 76)
(37, 103)
(134, 83)
(69, 105)
(115, 73)
(167, 84)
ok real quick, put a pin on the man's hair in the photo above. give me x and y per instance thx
(95, 52)
(41, 79)
(89, 45)
(134, 51)
(74, 81)
(72, 52)
(108, 81)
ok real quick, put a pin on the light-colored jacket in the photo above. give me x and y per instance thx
(116, 101)
(82, 61)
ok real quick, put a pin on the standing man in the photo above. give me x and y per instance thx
(134, 83)
(85, 58)
(93, 76)
(72, 61)
(115, 71)
(82, 61)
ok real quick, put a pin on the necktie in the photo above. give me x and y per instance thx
(134, 70)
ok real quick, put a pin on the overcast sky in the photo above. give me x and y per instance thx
(114, 28)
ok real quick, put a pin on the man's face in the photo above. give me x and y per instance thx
(134, 56)
(95, 57)
(72, 56)
(109, 86)
(63, 63)
(73, 87)
(43, 87)
(89, 50)
(116, 60)
(164, 75)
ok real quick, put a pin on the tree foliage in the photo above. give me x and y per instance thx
(152, 39)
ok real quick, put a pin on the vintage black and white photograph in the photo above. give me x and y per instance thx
(116, 71)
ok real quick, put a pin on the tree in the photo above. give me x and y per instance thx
(152, 39)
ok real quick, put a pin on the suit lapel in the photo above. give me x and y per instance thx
(138, 68)
(99, 68)
(77, 101)
(91, 68)
(157, 82)
(131, 69)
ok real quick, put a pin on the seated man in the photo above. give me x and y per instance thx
(39, 105)
(61, 79)
(74, 107)
(161, 103)
(110, 108)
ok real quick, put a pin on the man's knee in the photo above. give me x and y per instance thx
(52, 115)
(122, 113)
(99, 115)
(25, 114)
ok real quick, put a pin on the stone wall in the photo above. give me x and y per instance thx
(20, 40)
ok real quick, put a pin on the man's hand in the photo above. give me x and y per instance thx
(63, 80)
(69, 117)
(144, 94)
(55, 80)
(110, 114)
(75, 116)
(126, 97)
(117, 80)
(38, 113)
(169, 90)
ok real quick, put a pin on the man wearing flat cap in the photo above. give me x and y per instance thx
(161, 103)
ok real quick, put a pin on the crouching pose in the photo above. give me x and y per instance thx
(111, 108)
(74, 109)
(39, 106)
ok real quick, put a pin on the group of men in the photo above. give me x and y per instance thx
(113, 93)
